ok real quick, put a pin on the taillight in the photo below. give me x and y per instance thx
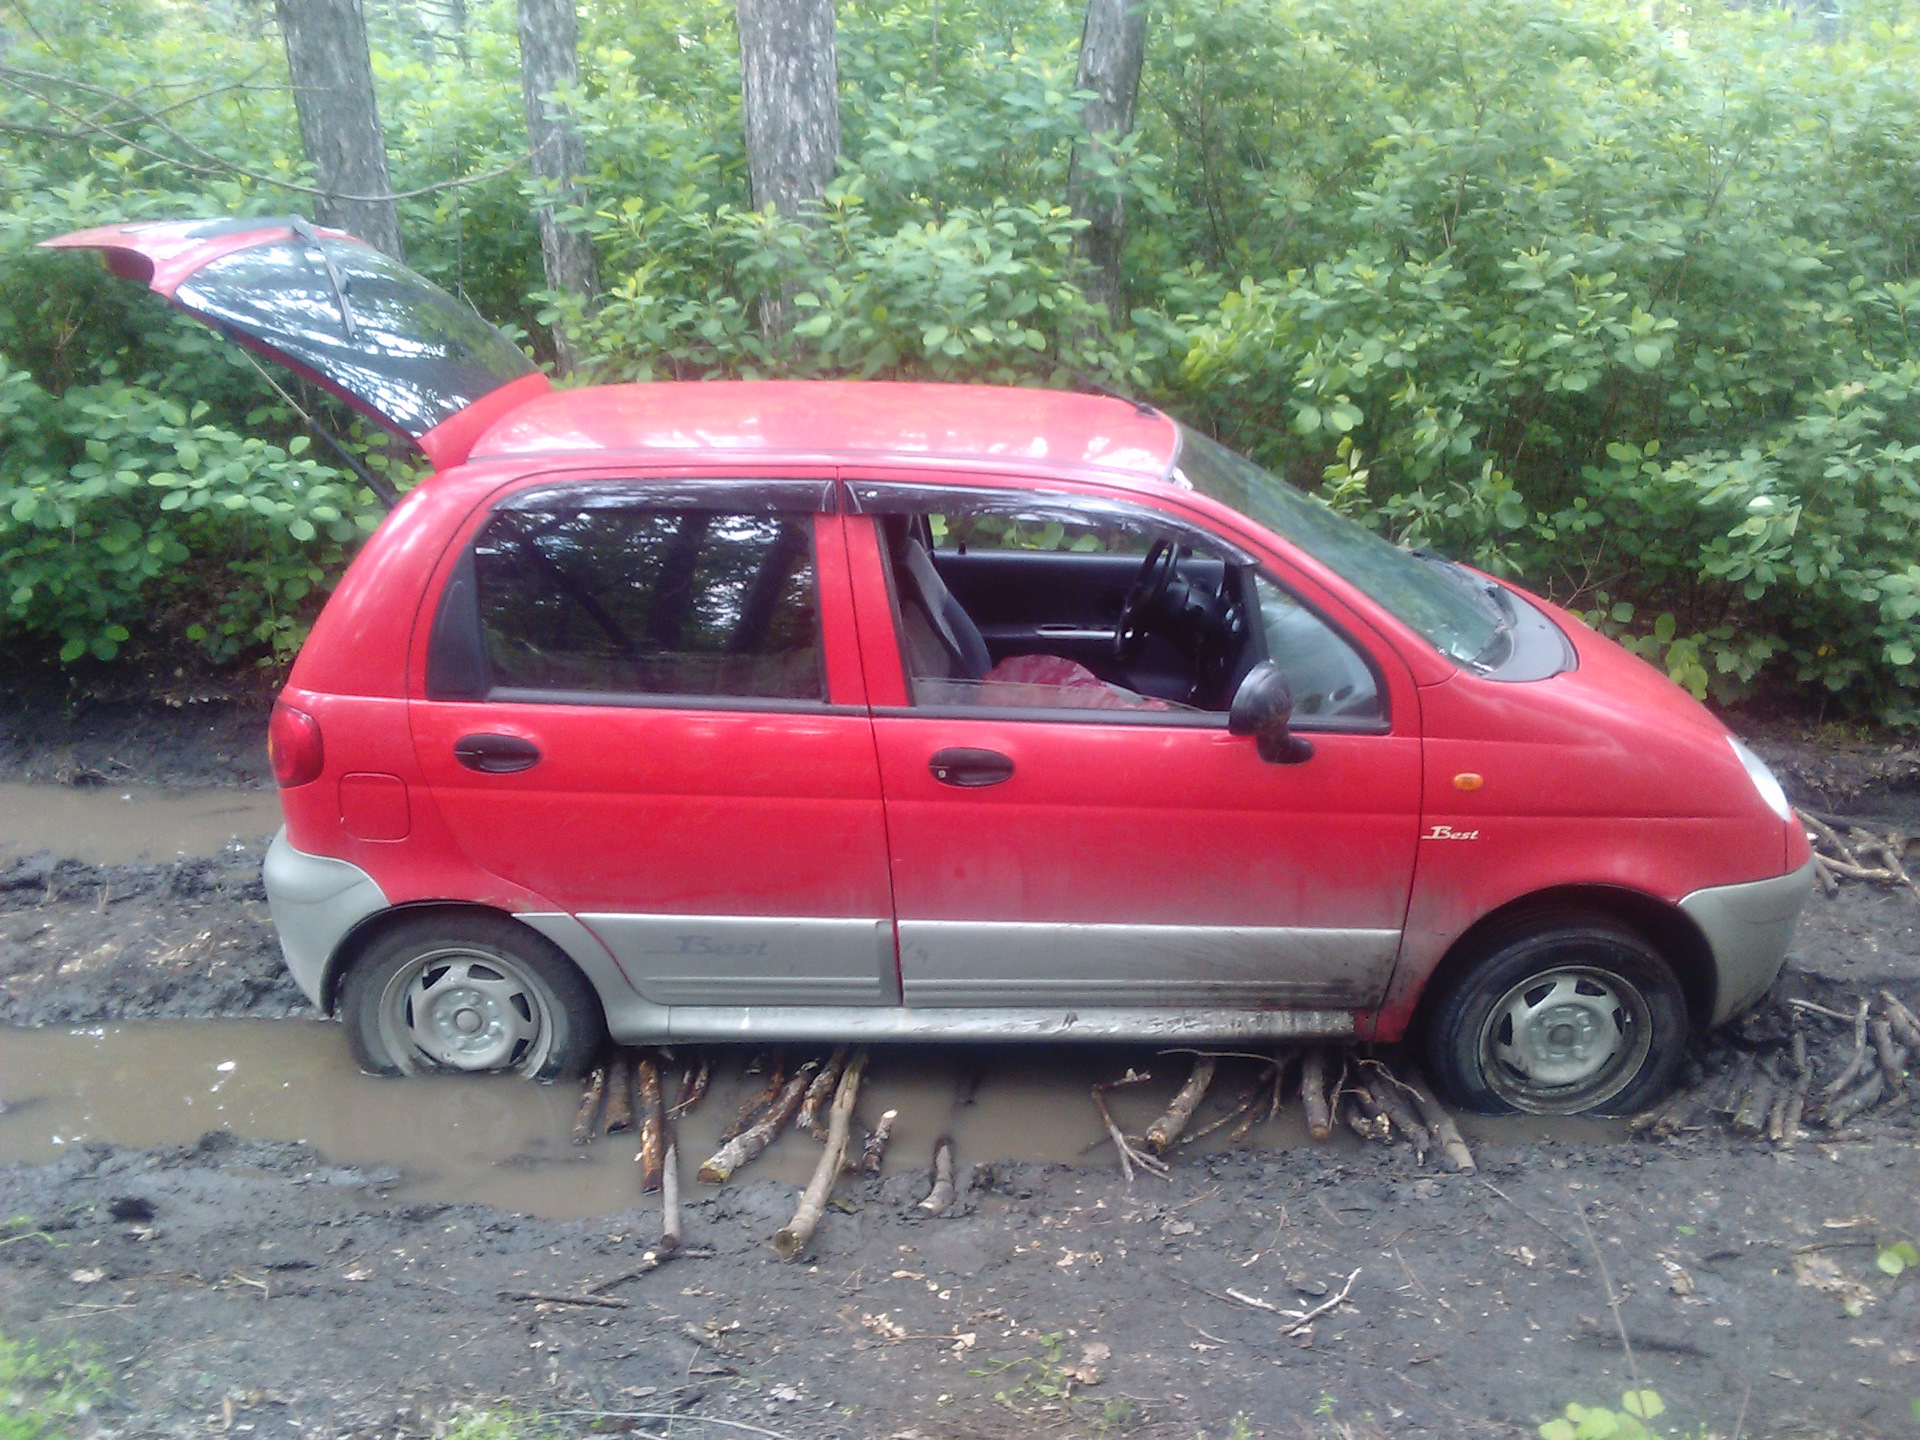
(293, 745)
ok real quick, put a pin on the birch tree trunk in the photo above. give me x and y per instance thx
(550, 62)
(1113, 47)
(790, 99)
(332, 76)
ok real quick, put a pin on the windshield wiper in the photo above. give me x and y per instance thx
(1492, 597)
(304, 232)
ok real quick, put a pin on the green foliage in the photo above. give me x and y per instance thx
(1625, 313)
(1898, 1258)
(1592, 1422)
(44, 1396)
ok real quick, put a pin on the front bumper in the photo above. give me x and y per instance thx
(1748, 927)
(315, 901)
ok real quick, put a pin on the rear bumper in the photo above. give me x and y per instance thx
(1748, 927)
(315, 901)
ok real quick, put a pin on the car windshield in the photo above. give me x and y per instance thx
(1455, 611)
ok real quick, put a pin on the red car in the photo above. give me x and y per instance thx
(859, 711)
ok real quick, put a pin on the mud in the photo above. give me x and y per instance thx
(330, 1258)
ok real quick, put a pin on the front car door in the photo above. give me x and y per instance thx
(642, 701)
(1075, 829)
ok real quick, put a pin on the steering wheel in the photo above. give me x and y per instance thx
(1149, 588)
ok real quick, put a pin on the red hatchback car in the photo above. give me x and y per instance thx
(837, 711)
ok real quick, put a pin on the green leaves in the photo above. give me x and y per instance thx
(1585, 1422)
(1898, 1258)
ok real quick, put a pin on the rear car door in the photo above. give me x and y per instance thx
(642, 701)
(1135, 854)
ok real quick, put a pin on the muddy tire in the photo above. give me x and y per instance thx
(469, 994)
(1563, 1015)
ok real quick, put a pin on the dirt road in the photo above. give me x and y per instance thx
(258, 1285)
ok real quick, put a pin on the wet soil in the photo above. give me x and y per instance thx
(335, 1263)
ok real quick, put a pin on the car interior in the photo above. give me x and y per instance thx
(1028, 611)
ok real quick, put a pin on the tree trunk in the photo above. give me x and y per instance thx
(1113, 47)
(790, 98)
(332, 77)
(550, 62)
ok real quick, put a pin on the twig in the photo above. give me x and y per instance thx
(675, 1417)
(1530, 1215)
(1129, 1156)
(649, 1263)
(605, 1302)
(1854, 1066)
(1613, 1298)
(757, 1103)
(1812, 1009)
(693, 1088)
(1323, 1307)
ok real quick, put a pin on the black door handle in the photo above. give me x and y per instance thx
(496, 754)
(970, 768)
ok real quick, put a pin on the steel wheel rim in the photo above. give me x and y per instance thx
(1565, 1040)
(466, 1009)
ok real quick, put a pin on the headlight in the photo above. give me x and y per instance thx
(1763, 780)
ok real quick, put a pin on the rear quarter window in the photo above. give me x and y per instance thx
(642, 601)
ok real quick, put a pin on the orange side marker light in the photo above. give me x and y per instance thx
(1467, 780)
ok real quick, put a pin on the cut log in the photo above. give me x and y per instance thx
(874, 1153)
(1859, 1061)
(1164, 1131)
(1365, 1117)
(1893, 1059)
(1905, 1023)
(743, 1147)
(1751, 1114)
(1855, 1102)
(1446, 1135)
(823, 1088)
(1799, 1051)
(941, 1196)
(586, 1120)
(1777, 1114)
(670, 1194)
(1313, 1093)
(756, 1104)
(620, 1092)
(813, 1201)
(693, 1088)
(652, 1156)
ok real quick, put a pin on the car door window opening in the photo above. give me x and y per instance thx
(604, 604)
(1114, 614)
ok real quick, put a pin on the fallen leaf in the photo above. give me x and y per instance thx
(87, 1277)
(1821, 1273)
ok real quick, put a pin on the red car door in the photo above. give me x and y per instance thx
(643, 702)
(1050, 856)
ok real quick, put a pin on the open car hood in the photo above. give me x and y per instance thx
(387, 341)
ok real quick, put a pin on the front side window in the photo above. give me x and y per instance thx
(642, 601)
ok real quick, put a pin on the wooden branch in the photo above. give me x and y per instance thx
(1365, 1116)
(1164, 1131)
(653, 1126)
(586, 1120)
(941, 1196)
(1313, 1093)
(620, 1091)
(1752, 1112)
(1129, 1156)
(1893, 1059)
(874, 1152)
(1446, 1135)
(743, 1147)
(813, 1201)
(693, 1088)
(1322, 1308)
(1905, 1024)
(823, 1088)
(757, 1103)
(670, 1233)
(604, 1302)
(1392, 1100)
(1854, 1102)
(1854, 1066)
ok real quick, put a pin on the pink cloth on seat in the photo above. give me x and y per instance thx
(1054, 680)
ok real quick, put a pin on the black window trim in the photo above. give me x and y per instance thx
(456, 650)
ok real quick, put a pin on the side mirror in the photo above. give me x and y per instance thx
(1263, 708)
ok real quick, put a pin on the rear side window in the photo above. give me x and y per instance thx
(648, 601)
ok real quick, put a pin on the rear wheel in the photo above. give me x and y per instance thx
(469, 993)
(1560, 1016)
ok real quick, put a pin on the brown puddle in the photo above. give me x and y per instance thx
(504, 1142)
(128, 824)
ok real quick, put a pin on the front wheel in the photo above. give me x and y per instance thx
(470, 993)
(1566, 1017)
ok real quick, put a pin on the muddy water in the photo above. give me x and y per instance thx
(128, 824)
(505, 1142)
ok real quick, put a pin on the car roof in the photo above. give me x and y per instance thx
(840, 421)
